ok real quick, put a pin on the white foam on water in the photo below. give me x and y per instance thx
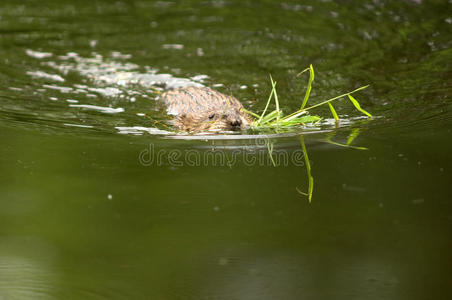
(62, 89)
(102, 109)
(107, 92)
(78, 125)
(38, 54)
(15, 89)
(139, 130)
(44, 75)
(173, 46)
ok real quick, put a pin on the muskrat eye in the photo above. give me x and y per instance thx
(211, 116)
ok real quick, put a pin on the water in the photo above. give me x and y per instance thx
(99, 200)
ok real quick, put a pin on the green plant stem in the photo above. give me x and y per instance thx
(276, 97)
(270, 152)
(308, 169)
(308, 90)
(268, 101)
(301, 111)
(337, 97)
(333, 112)
(251, 113)
(358, 106)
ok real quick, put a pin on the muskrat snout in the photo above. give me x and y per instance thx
(236, 123)
(228, 120)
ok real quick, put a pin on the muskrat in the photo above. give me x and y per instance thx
(200, 109)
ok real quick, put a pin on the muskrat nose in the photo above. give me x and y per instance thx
(236, 123)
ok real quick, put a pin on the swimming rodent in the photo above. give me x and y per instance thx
(199, 109)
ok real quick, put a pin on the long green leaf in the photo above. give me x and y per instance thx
(358, 107)
(269, 117)
(270, 152)
(301, 111)
(276, 97)
(337, 97)
(308, 170)
(301, 120)
(352, 136)
(349, 141)
(268, 102)
(307, 69)
(346, 146)
(294, 115)
(250, 113)
(333, 112)
(308, 90)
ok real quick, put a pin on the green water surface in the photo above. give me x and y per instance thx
(95, 205)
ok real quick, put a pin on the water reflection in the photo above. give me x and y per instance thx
(27, 268)
(244, 275)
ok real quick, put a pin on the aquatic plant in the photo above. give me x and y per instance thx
(276, 119)
(351, 137)
(308, 171)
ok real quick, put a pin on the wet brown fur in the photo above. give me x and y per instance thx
(203, 109)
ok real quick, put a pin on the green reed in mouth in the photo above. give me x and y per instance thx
(276, 119)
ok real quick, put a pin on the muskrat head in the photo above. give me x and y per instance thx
(232, 119)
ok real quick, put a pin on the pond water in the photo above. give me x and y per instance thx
(100, 200)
